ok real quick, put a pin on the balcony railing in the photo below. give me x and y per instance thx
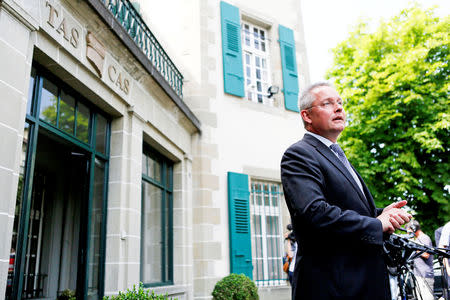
(131, 21)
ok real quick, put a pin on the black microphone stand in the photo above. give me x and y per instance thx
(400, 253)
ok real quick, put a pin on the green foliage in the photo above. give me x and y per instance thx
(139, 294)
(235, 287)
(67, 295)
(395, 82)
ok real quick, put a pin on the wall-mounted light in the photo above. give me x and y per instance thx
(273, 89)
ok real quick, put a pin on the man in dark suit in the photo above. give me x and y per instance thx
(338, 228)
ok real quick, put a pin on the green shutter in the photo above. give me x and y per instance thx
(289, 65)
(239, 221)
(233, 73)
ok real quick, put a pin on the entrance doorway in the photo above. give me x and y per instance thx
(59, 233)
(54, 252)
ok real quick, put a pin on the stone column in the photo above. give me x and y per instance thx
(210, 261)
(16, 53)
(124, 205)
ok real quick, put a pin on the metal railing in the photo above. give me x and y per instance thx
(132, 22)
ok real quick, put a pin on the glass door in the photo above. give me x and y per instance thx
(58, 240)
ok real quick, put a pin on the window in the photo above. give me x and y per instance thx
(256, 63)
(64, 111)
(267, 233)
(156, 233)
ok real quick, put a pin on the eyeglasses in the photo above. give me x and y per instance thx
(329, 104)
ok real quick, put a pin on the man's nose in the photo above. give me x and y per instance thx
(338, 107)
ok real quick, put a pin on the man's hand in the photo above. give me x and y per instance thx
(398, 204)
(386, 223)
(393, 217)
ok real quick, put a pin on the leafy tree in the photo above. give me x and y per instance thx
(396, 84)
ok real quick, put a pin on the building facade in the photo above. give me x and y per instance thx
(141, 143)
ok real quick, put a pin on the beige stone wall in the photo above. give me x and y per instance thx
(144, 115)
(237, 135)
(124, 205)
(15, 65)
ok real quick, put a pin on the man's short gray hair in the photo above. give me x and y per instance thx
(307, 97)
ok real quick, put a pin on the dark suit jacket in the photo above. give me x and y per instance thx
(339, 238)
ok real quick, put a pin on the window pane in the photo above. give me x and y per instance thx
(258, 74)
(247, 59)
(157, 173)
(18, 210)
(274, 270)
(169, 179)
(30, 90)
(255, 33)
(101, 130)
(266, 195)
(150, 167)
(35, 234)
(259, 269)
(83, 119)
(259, 247)
(275, 195)
(275, 188)
(257, 225)
(96, 226)
(166, 235)
(263, 44)
(144, 164)
(66, 113)
(153, 169)
(258, 194)
(258, 86)
(257, 61)
(247, 40)
(272, 225)
(152, 234)
(49, 102)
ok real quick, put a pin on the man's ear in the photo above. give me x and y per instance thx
(305, 116)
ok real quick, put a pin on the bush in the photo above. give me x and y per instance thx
(67, 295)
(235, 287)
(139, 294)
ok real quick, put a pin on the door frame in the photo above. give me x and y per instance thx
(35, 124)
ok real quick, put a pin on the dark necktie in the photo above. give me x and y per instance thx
(345, 162)
(336, 148)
